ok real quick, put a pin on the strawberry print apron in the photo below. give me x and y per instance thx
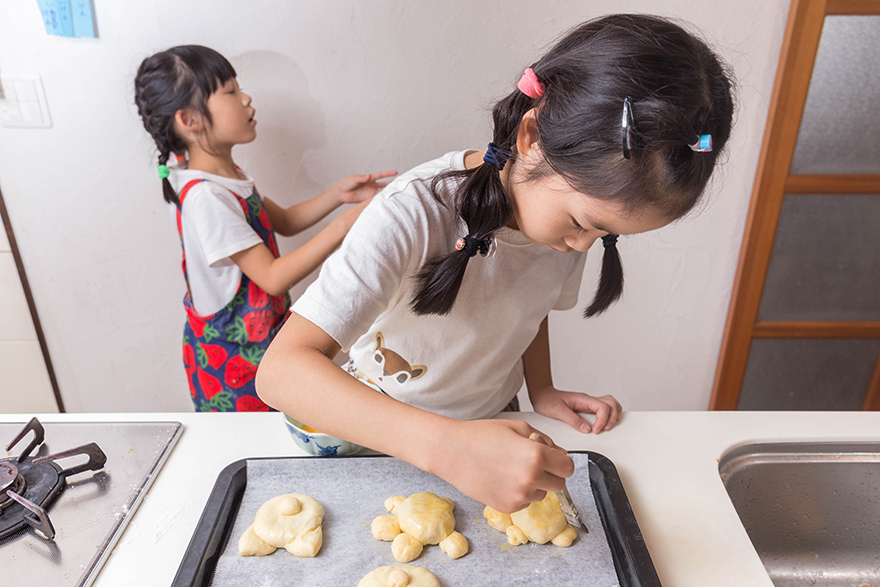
(221, 351)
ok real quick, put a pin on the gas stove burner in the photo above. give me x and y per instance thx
(10, 480)
(29, 485)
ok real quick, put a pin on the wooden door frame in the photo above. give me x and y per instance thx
(772, 182)
(32, 306)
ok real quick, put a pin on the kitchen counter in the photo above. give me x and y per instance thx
(668, 462)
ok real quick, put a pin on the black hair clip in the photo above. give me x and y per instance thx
(627, 125)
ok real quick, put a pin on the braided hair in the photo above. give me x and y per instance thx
(181, 78)
(677, 89)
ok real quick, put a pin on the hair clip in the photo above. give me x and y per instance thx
(702, 144)
(529, 84)
(627, 125)
(471, 246)
(496, 156)
(164, 171)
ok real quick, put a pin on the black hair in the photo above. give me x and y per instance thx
(180, 78)
(678, 89)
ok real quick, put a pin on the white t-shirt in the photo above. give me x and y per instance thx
(214, 228)
(468, 363)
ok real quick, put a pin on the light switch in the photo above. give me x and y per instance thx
(10, 113)
(23, 103)
(25, 91)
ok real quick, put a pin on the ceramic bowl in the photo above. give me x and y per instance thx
(318, 443)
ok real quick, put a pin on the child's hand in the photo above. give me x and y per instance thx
(494, 462)
(357, 188)
(565, 405)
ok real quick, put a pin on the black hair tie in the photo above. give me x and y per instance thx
(609, 240)
(471, 245)
(496, 156)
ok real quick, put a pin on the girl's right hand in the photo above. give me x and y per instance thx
(494, 462)
(357, 188)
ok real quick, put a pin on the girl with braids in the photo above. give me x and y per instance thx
(237, 284)
(442, 289)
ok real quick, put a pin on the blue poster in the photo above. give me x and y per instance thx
(56, 17)
(68, 18)
(83, 21)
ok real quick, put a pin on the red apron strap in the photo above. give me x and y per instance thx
(186, 189)
(180, 198)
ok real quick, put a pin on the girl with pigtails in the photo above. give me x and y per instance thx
(237, 282)
(441, 291)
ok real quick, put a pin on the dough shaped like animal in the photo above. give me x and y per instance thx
(416, 521)
(291, 521)
(399, 576)
(252, 545)
(540, 522)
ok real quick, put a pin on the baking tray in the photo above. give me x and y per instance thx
(215, 532)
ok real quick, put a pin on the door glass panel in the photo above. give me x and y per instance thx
(825, 264)
(808, 374)
(840, 130)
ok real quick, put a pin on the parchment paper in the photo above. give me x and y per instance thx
(353, 492)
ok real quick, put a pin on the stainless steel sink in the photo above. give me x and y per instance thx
(812, 510)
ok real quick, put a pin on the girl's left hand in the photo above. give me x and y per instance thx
(565, 405)
(357, 188)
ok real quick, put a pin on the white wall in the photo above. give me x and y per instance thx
(340, 87)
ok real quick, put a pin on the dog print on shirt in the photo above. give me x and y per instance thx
(387, 370)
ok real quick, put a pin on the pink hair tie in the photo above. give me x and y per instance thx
(529, 85)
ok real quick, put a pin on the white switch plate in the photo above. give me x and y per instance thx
(23, 102)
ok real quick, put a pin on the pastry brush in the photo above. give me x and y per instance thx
(568, 508)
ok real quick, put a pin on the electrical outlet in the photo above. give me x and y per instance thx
(23, 102)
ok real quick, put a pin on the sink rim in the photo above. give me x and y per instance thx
(748, 453)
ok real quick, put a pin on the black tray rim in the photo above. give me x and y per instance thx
(632, 561)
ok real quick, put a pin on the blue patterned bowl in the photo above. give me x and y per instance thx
(318, 443)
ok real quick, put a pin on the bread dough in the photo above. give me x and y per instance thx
(426, 517)
(405, 548)
(454, 546)
(422, 519)
(385, 528)
(540, 522)
(252, 545)
(399, 576)
(291, 521)
(515, 536)
(566, 537)
(393, 503)
(496, 519)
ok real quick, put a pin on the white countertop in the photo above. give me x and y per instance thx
(668, 462)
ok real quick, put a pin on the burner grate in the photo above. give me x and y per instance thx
(29, 485)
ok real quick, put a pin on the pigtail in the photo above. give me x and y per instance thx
(480, 200)
(167, 191)
(610, 279)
